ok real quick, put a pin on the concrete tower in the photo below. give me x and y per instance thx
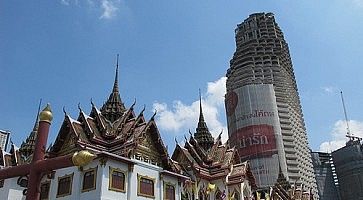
(265, 120)
(348, 162)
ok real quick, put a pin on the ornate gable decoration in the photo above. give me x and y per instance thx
(209, 159)
(113, 129)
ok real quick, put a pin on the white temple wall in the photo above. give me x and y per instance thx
(12, 191)
(107, 194)
(76, 184)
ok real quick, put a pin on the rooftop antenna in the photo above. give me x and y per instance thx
(349, 134)
(345, 115)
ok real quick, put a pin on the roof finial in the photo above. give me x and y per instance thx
(202, 134)
(92, 102)
(114, 108)
(133, 104)
(117, 61)
(153, 117)
(37, 119)
(115, 85)
(64, 110)
(201, 117)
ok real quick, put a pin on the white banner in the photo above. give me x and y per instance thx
(254, 128)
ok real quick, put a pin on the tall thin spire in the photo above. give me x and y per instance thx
(36, 124)
(114, 107)
(201, 116)
(27, 147)
(115, 85)
(202, 134)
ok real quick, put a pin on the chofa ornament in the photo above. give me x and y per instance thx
(82, 158)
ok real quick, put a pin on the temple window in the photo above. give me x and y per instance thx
(169, 191)
(65, 185)
(117, 180)
(89, 179)
(44, 190)
(145, 186)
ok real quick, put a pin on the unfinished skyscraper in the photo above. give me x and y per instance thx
(348, 162)
(265, 120)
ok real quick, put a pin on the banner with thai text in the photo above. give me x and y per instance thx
(254, 129)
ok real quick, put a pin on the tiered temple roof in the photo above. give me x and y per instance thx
(210, 159)
(27, 147)
(282, 190)
(113, 129)
(24, 154)
(114, 107)
(202, 134)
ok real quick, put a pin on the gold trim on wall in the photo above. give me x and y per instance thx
(70, 185)
(139, 177)
(94, 179)
(111, 170)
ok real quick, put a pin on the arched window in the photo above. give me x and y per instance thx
(117, 180)
(89, 179)
(169, 191)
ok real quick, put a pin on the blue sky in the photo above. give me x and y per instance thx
(64, 52)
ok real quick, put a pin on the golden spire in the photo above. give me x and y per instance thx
(46, 114)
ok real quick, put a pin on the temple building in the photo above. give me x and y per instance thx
(130, 160)
(214, 168)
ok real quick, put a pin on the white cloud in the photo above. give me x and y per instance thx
(181, 117)
(69, 2)
(109, 9)
(329, 89)
(358, 3)
(65, 2)
(338, 135)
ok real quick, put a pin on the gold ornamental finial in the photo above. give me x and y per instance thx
(46, 114)
(82, 158)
